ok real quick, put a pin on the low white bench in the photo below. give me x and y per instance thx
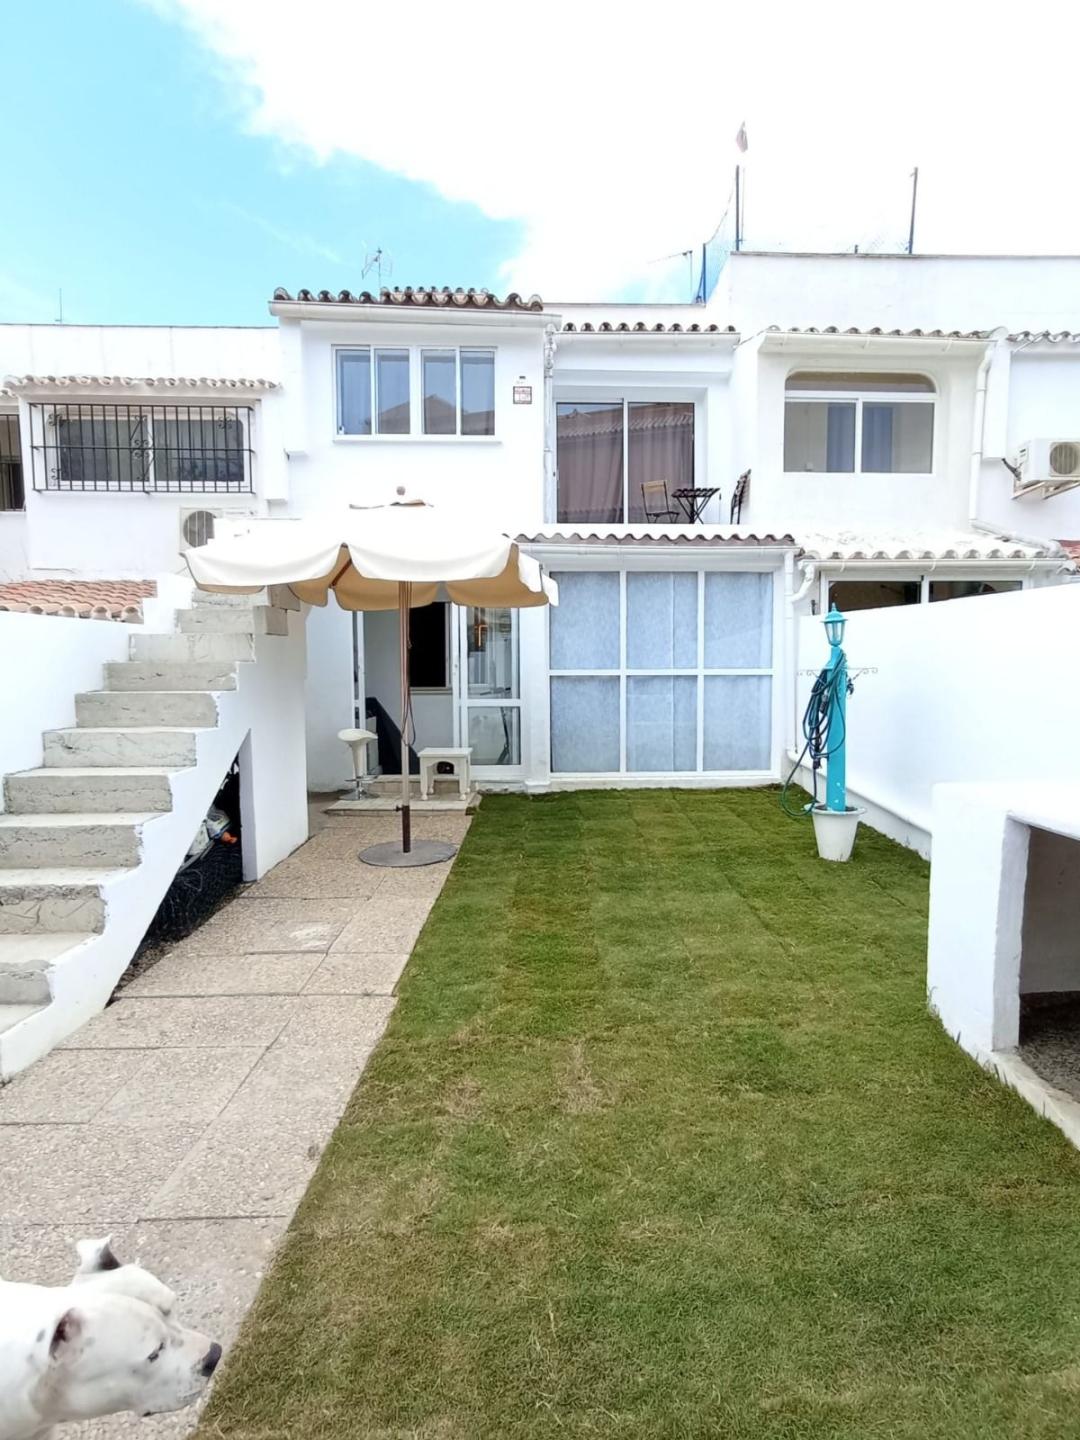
(432, 756)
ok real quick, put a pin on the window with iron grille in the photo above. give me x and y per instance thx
(177, 449)
(11, 475)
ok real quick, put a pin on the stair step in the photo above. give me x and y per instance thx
(233, 620)
(25, 962)
(146, 708)
(127, 675)
(240, 646)
(60, 898)
(81, 840)
(73, 790)
(110, 746)
(207, 599)
(11, 1015)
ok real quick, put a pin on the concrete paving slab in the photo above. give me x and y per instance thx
(184, 1085)
(252, 927)
(355, 1021)
(68, 1086)
(344, 974)
(382, 925)
(238, 1169)
(88, 1176)
(298, 1085)
(154, 1024)
(190, 975)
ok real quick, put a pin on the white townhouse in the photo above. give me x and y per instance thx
(867, 430)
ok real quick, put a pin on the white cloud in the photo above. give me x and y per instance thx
(297, 240)
(607, 131)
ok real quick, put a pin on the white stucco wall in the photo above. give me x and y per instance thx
(887, 504)
(946, 292)
(121, 536)
(973, 690)
(499, 477)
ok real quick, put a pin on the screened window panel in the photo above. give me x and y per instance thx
(198, 450)
(478, 392)
(660, 446)
(440, 392)
(589, 438)
(897, 439)
(661, 621)
(737, 722)
(819, 437)
(661, 723)
(495, 734)
(103, 452)
(738, 621)
(354, 392)
(585, 623)
(392, 391)
(584, 724)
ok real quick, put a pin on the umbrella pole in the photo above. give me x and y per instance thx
(403, 635)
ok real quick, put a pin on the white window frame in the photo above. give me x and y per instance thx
(700, 671)
(463, 702)
(858, 398)
(416, 432)
(52, 446)
(924, 579)
(625, 401)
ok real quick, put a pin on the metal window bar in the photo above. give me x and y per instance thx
(132, 448)
(12, 494)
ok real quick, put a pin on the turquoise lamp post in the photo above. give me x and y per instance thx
(836, 779)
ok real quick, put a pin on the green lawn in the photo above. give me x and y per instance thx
(662, 1142)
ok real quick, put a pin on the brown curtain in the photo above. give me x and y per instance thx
(661, 447)
(590, 460)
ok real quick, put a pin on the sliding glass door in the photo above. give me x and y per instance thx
(487, 686)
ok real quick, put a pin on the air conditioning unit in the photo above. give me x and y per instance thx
(1046, 467)
(199, 526)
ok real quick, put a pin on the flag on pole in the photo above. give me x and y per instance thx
(740, 138)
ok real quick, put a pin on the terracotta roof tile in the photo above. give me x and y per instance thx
(1051, 337)
(623, 327)
(702, 535)
(416, 297)
(129, 382)
(1071, 548)
(87, 599)
(877, 330)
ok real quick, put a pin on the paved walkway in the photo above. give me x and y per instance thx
(188, 1118)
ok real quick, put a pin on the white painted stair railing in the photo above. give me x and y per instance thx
(91, 840)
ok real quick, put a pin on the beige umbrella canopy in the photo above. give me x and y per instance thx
(384, 557)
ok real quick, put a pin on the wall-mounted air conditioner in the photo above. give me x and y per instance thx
(1046, 467)
(199, 526)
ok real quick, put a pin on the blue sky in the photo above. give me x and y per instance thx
(134, 187)
(175, 160)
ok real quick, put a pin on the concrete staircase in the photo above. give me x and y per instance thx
(90, 841)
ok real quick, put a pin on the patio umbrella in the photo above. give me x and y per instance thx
(384, 557)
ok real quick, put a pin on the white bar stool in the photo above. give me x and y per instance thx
(358, 741)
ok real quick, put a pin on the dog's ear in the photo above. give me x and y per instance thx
(67, 1331)
(96, 1256)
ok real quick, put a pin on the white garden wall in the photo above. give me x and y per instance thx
(976, 690)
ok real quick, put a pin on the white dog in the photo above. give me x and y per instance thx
(104, 1343)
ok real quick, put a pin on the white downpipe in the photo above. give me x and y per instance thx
(793, 597)
(978, 425)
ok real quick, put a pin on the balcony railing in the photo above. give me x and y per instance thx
(11, 474)
(171, 449)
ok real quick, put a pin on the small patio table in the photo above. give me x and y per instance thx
(694, 500)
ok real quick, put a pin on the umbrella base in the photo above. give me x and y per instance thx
(423, 852)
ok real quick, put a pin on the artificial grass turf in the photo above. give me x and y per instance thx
(662, 1142)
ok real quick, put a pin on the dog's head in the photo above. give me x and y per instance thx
(117, 1346)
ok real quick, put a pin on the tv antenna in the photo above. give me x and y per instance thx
(379, 261)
